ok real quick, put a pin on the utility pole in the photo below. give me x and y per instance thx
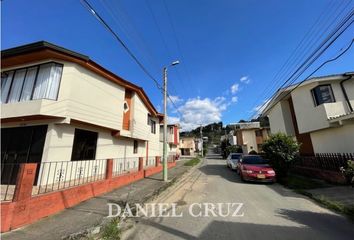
(165, 176)
(201, 137)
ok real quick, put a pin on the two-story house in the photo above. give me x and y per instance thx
(59, 105)
(172, 139)
(318, 113)
(249, 135)
(187, 146)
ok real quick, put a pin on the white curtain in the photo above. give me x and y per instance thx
(28, 85)
(54, 81)
(17, 86)
(6, 79)
(48, 80)
(42, 81)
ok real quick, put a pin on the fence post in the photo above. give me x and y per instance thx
(109, 168)
(141, 164)
(25, 181)
(157, 161)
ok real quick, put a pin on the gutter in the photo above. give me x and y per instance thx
(345, 92)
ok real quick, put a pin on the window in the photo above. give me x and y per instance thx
(126, 107)
(322, 94)
(259, 133)
(36, 82)
(153, 126)
(135, 146)
(84, 147)
(171, 130)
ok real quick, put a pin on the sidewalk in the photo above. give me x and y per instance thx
(93, 211)
(341, 194)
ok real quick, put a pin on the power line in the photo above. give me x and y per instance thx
(296, 55)
(324, 63)
(340, 25)
(131, 54)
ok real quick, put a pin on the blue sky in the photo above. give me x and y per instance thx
(230, 50)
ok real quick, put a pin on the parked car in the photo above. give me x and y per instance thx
(255, 168)
(232, 160)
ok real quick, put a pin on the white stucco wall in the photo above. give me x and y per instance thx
(334, 140)
(280, 119)
(312, 118)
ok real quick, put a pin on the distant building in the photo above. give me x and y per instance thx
(172, 139)
(187, 146)
(249, 135)
(318, 113)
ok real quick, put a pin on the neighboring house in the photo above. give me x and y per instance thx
(187, 146)
(198, 143)
(172, 139)
(59, 105)
(318, 113)
(249, 135)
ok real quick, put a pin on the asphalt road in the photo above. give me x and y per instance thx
(270, 211)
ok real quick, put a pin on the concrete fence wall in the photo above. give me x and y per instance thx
(26, 208)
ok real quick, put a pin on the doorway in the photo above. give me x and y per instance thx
(20, 145)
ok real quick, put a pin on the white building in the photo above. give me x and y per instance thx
(318, 113)
(58, 105)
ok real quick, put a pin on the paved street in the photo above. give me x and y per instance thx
(270, 211)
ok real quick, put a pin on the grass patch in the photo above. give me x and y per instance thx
(192, 162)
(347, 210)
(299, 182)
(111, 230)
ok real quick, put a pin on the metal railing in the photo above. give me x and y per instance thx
(325, 161)
(54, 176)
(9, 172)
(124, 165)
(150, 162)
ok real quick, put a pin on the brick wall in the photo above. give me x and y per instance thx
(26, 209)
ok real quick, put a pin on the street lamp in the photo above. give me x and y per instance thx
(165, 177)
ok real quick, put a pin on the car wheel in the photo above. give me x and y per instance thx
(242, 179)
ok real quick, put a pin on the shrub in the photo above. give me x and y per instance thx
(232, 149)
(349, 172)
(281, 150)
(253, 152)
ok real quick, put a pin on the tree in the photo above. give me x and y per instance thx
(281, 150)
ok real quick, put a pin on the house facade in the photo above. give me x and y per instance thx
(249, 135)
(187, 146)
(173, 139)
(318, 113)
(58, 105)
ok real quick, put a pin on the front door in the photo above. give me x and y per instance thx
(20, 145)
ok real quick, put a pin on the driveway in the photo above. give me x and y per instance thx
(270, 211)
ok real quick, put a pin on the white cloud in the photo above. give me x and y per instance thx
(259, 109)
(234, 88)
(175, 99)
(173, 120)
(234, 99)
(245, 79)
(196, 111)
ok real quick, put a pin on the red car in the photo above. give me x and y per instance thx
(255, 168)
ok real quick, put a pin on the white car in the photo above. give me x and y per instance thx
(232, 160)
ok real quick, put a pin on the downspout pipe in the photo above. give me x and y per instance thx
(345, 92)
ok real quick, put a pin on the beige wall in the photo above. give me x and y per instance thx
(310, 117)
(90, 98)
(280, 119)
(334, 140)
(249, 140)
